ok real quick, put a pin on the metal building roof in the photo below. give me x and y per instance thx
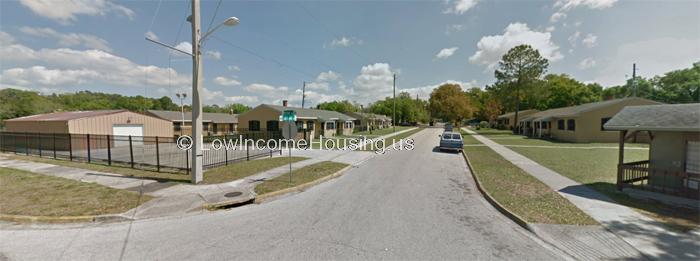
(65, 115)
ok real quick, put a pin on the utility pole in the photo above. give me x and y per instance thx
(197, 142)
(634, 80)
(394, 117)
(303, 94)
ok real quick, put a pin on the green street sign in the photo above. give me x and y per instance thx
(288, 115)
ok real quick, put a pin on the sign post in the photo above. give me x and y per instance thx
(289, 131)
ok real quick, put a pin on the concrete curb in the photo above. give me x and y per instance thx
(64, 219)
(517, 219)
(267, 196)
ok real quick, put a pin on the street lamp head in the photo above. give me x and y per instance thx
(178, 95)
(231, 21)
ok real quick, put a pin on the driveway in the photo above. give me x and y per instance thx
(401, 205)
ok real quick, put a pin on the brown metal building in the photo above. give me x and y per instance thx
(100, 122)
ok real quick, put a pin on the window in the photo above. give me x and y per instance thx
(330, 125)
(214, 127)
(231, 128)
(254, 125)
(571, 125)
(205, 126)
(348, 125)
(602, 123)
(300, 125)
(310, 125)
(692, 157)
(273, 125)
(560, 124)
(537, 125)
(177, 126)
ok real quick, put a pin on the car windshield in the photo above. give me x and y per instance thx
(451, 136)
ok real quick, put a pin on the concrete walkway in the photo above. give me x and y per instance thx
(649, 236)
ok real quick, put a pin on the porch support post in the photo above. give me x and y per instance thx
(621, 159)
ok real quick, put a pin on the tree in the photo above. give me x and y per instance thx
(450, 103)
(407, 108)
(339, 106)
(563, 91)
(680, 86)
(520, 68)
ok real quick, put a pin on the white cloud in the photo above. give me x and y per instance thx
(319, 86)
(66, 11)
(345, 42)
(592, 4)
(68, 39)
(224, 81)
(183, 46)
(374, 82)
(216, 55)
(460, 6)
(490, 49)
(453, 28)
(587, 63)
(68, 67)
(247, 100)
(590, 40)
(327, 76)
(573, 39)
(446, 52)
(550, 28)
(556, 17)
(423, 92)
(653, 57)
(233, 68)
(6, 39)
(151, 35)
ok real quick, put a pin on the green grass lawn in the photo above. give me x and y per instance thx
(300, 176)
(519, 192)
(32, 194)
(489, 131)
(244, 169)
(597, 168)
(511, 139)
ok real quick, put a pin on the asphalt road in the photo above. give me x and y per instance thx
(401, 205)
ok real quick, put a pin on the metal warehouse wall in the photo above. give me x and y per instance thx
(103, 124)
(37, 126)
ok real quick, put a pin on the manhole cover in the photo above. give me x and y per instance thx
(233, 194)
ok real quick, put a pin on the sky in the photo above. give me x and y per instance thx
(343, 50)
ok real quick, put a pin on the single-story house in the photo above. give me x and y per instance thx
(99, 122)
(674, 151)
(580, 123)
(508, 120)
(213, 124)
(365, 120)
(311, 123)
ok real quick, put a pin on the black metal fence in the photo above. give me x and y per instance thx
(140, 152)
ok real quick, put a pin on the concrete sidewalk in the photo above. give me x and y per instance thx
(648, 236)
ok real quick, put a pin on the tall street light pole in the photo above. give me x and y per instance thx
(197, 39)
(394, 117)
(197, 172)
(182, 97)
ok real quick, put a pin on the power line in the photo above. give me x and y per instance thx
(328, 30)
(251, 52)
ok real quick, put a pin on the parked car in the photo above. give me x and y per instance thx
(448, 127)
(451, 141)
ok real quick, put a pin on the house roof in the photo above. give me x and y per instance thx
(304, 113)
(666, 117)
(65, 115)
(510, 114)
(368, 115)
(577, 110)
(176, 116)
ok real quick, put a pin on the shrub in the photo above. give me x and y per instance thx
(483, 124)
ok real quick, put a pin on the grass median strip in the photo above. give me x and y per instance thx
(244, 169)
(300, 176)
(32, 194)
(521, 193)
(597, 168)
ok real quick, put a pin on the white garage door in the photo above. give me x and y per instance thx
(135, 130)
